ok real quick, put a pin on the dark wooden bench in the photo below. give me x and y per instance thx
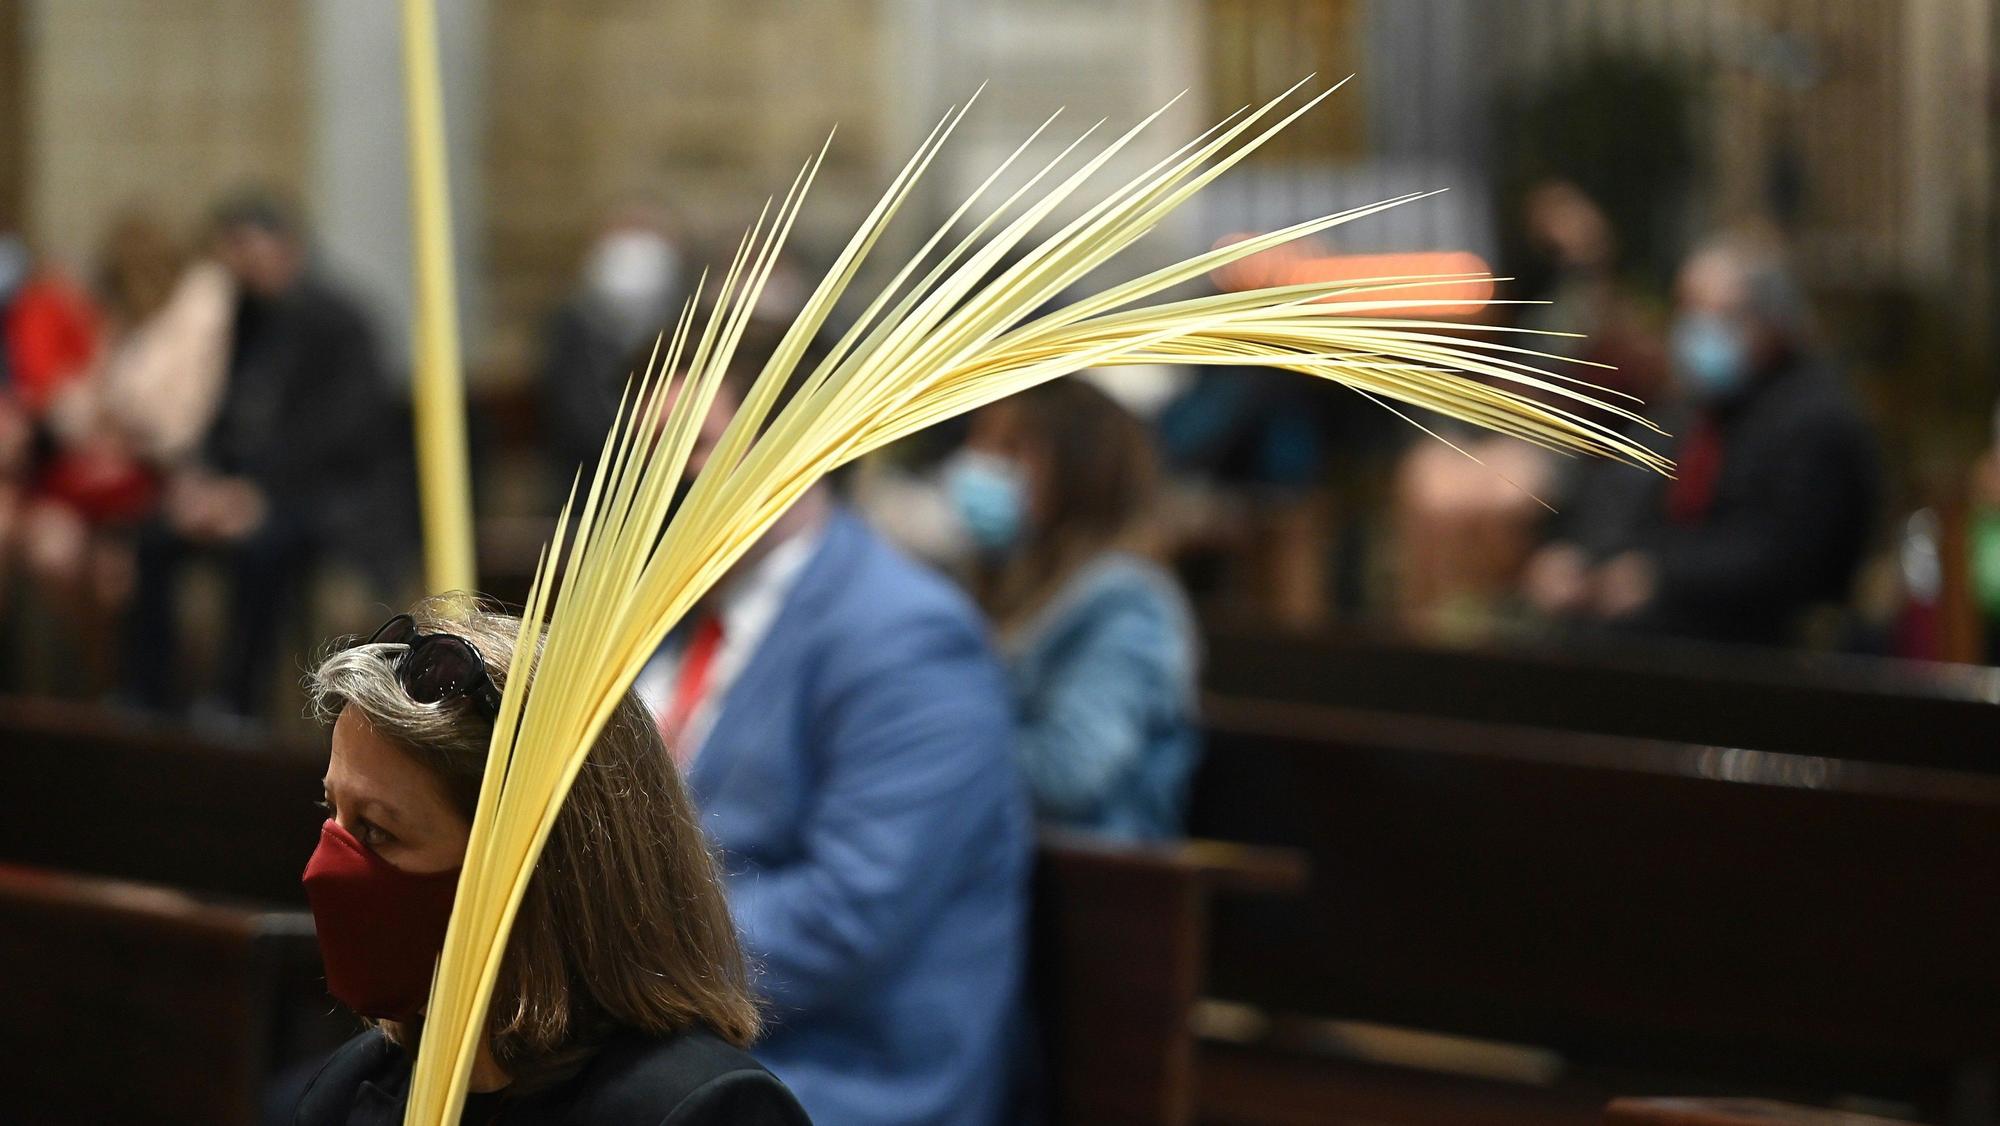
(1760, 922)
(1121, 963)
(1816, 704)
(125, 1002)
(1121, 932)
(183, 854)
(1729, 1112)
(113, 795)
(1744, 922)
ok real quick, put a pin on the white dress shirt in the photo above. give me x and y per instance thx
(749, 604)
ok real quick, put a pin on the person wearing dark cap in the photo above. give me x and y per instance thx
(293, 465)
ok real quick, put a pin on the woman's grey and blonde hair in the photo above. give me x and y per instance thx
(624, 925)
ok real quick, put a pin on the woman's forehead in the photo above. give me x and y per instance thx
(364, 766)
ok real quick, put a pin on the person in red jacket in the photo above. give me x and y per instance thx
(49, 338)
(51, 332)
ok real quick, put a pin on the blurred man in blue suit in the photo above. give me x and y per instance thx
(845, 728)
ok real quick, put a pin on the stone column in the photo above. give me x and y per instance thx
(359, 188)
(161, 106)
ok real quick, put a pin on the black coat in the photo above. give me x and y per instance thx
(692, 1079)
(307, 412)
(1788, 525)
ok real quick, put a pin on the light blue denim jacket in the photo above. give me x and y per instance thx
(1104, 684)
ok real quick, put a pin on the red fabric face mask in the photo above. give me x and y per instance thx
(380, 928)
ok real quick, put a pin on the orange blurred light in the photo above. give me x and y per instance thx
(1305, 263)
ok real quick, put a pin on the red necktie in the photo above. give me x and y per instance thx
(690, 688)
(1697, 471)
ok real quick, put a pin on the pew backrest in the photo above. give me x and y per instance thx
(116, 796)
(1577, 890)
(1816, 704)
(1730, 1112)
(133, 1003)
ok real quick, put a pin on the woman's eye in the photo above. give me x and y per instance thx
(324, 806)
(372, 836)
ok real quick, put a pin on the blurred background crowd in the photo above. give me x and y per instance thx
(1769, 223)
(1597, 763)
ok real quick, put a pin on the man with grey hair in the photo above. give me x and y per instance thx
(1774, 499)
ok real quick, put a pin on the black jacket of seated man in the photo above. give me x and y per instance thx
(1771, 515)
(691, 1079)
(306, 413)
(307, 418)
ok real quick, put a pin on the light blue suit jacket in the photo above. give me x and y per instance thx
(860, 782)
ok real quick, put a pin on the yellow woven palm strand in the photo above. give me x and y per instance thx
(950, 331)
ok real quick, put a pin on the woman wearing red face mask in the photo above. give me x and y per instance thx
(623, 997)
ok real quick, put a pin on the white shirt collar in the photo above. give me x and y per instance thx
(749, 604)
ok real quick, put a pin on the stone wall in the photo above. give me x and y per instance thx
(710, 106)
(706, 106)
(158, 103)
(13, 117)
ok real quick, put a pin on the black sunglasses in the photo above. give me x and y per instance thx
(438, 666)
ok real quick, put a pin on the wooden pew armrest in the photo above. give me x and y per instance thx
(1208, 865)
(1121, 949)
(1729, 1112)
(151, 905)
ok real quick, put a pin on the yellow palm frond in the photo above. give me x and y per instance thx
(953, 329)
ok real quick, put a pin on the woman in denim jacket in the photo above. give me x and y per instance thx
(1056, 486)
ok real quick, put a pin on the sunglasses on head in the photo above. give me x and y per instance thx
(438, 666)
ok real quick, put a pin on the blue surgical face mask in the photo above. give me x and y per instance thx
(990, 495)
(1711, 354)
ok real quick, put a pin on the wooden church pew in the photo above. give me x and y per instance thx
(1121, 932)
(1774, 921)
(119, 796)
(134, 1003)
(1767, 700)
(1121, 963)
(1655, 902)
(1730, 1112)
(182, 853)
(1267, 1085)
